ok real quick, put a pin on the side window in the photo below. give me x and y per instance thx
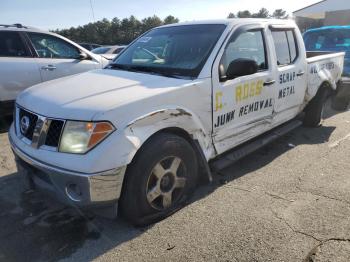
(48, 46)
(285, 47)
(248, 45)
(11, 45)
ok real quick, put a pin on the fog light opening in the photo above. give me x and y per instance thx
(74, 192)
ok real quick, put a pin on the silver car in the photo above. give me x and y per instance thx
(29, 56)
(109, 52)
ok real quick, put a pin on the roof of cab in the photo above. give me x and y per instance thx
(235, 21)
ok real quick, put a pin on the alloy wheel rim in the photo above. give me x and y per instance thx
(166, 183)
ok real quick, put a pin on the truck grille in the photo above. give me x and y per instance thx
(38, 130)
(54, 133)
(32, 118)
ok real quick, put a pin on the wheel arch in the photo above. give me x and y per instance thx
(325, 86)
(177, 121)
(204, 169)
(312, 92)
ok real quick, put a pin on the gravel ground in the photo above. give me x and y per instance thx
(289, 201)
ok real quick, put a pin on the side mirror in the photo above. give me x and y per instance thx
(83, 56)
(239, 67)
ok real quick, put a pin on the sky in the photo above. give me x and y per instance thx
(58, 14)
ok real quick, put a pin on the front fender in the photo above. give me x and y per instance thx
(142, 128)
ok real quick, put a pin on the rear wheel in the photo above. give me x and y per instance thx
(314, 110)
(159, 180)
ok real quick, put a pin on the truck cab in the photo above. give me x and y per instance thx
(138, 135)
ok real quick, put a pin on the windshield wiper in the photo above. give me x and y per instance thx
(129, 68)
(118, 66)
(173, 75)
(145, 69)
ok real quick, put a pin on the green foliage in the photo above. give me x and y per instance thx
(263, 13)
(244, 14)
(231, 15)
(115, 31)
(170, 20)
(280, 14)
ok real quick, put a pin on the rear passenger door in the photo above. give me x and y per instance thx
(291, 72)
(57, 57)
(242, 107)
(18, 68)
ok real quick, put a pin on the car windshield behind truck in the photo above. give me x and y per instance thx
(334, 40)
(172, 51)
(328, 40)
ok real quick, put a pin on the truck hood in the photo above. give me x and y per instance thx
(81, 97)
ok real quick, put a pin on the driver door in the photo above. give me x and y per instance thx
(58, 58)
(242, 106)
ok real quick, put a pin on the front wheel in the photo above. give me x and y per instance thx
(159, 179)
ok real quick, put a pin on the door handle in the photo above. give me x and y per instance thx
(300, 73)
(269, 82)
(48, 68)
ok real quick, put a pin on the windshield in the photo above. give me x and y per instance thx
(171, 51)
(101, 50)
(328, 40)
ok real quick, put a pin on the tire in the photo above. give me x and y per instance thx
(314, 110)
(149, 180)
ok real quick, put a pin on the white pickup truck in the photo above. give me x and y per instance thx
(178, 103)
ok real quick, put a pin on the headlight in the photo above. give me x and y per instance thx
(80, 137)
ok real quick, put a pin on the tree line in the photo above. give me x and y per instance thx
(117, 32)
(262, 13)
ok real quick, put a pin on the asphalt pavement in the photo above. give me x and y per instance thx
(289, 201)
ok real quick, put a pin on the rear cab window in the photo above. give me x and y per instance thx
(12, 45)
(286, 47)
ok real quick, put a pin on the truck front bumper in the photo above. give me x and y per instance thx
(70, 187)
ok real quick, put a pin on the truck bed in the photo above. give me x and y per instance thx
(323, 67)
(310, 54)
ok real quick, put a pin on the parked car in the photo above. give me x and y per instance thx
(180, 102)
(333, 39)
(89, 46)
(109, 52)
(30, 56)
